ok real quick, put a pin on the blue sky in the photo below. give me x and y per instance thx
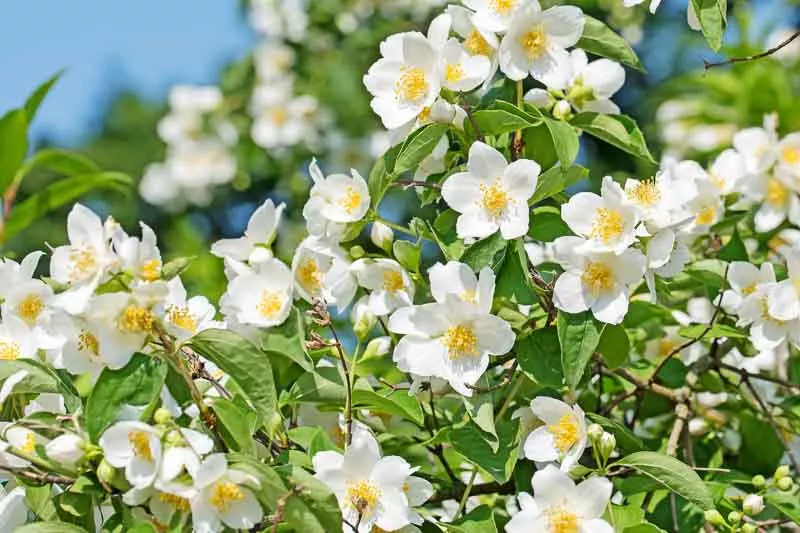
(106, 44)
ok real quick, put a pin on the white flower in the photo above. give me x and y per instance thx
(389, 283)
(562, 438)
(456, 279)
(607, 222)
(372, 491)
(587, 86)
(758, 146)
(744, 278)
(10, 383)
(182, 457)
(282, 120)
(184, 317)
(261, 297)
(707, 207)
(462, 71)
(661, 201)
(766, 331)
(66, 449)
(17, 341)
(13, 509)
(321, 270)
(136, 447)
(141, 258)
(23, 439)
(558, 505)
(494, 15)
(452, 341)
(784, 297)
(492, 194)
(753, 504)
(537, 40)
(476, 42)
(381, 235)
(334, 201)
(272, 60)
(653, 5)
(224, 496)
(260, 232)
(600, 281)
(779, 202)
(405, 80)
(727, 171)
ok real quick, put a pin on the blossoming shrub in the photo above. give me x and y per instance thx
(530, 356)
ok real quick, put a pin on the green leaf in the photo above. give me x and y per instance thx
(63, 162)
(717, 330)
(418, 146)
(407, 254)
(499, 121)
(40, 500)
(578, 335)
(137, 383)
(734, 250)
(787, 504)
(644, 528)
(236, 425)
(514, 280)
(617, 130)
(397, 403)
(314, 509)
(60, 193)
(13, 145)
(36, 98)
(484, 252)
(565, 140)
(672, 474)
(556, 180)
(547, 224)
(498, 460)
(50, 527)
(286, 344)
(40, 378)
(614, 345)
(712, 15)
(539, 356)
(247, 366)
(622, 516)
(479, 520)
(601, 40)
(627, 440)
(380, 176)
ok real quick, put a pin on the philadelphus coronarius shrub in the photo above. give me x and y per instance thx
(528, 356)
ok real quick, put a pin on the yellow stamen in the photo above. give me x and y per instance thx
(140, 441)
(270, 304)
(135, 319)
(777, 193)
(279, 116)
(182, 318)
(225, 493)
(502, 6)
(351, 200)
(363, 497)
(176, 502)
(9, 350)
(565, 432)
(469, 296)
(453, 72)
(495, 199)
(83, 262)
(706, 215)
(562, 521)
(393, 281)
(598, 277)
(88, 342)
(645, 193)
(29, 446)
(460, 341)
(534, 42)
(791, 155)
(476, 45)
(412, 84)
(750, 289)
(30, 307)
(425, 114)
(607, 225)
(151, 270)
(665, 347)
(310, 276)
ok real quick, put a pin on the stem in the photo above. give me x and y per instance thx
(397, 227)
(709, 64)
(516, 146)
(42, 463)
(464, 497)
(348, 401)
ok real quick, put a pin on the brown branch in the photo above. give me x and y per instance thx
(38, 477)
(457, 491)
(731, 60)
(508, 375)
(681, 416)
(407, 184)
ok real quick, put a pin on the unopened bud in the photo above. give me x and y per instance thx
(66, 449)
(362, 317)
(377, 347)
(162, 416)
(734, 517)
(753, 504)
(713, 517)
(595, 432)
(607, 445)
(782, 472)
(759, 481)
(357, 252)
(562, 110)
(749, 528)
(105, 472)
(381, 236)
(691, 379)
(785, 484)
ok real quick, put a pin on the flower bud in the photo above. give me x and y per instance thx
(562, 110)
(782, 472)
(595, 432)
(734, 517)
(362, 317)
(749, 528)
(357, 252)
(607, 444)
(759, 481)
(66, 449)
(162, 416)
(713, 517)
(753, 504)
(105, 472)
(175, 438)
(381, 236)
(377, 347)
(785, 484)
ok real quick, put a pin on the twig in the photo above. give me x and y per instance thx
(407, 184)
(772, 421)
(348, 402)
(681, 416)
(729, 61)
(508, 375)
(38, 477)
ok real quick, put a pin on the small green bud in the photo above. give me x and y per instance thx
(713, 517)
(607, 445)
(759, 481)
(782, 472)
(734, 517)
(105, 472)
(749, 528)
(785, 484)
(562, 110)
(357, 252)
(753, 504)
(162, 416)
(381, 236)
(594, 431)
(175, 438)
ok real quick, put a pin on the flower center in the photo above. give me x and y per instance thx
(495, 199)
(791, 155)
(182, 318)
(9, 350)
(706, 215)
(225, 493)
(30, 307)
(425, 114)
(597, 276)
(607, 224)
(646, 193)
(151, 270)
(750, 289)
(88, 343)
(310, 276)
(460, 341)
(351, 200)
(665, 347)
(453, 72)
(136, 319)
(412, 84)
(777, 193)
(393, 281)
(270, 304)
(363, 497)
(30, 443)
(502, 6)
(140, 442)
(476, 45)
(83, 262)
(565, 432)
(279, 116)
(534, 42)
(470, 296)
(562, 521)
(176, 502)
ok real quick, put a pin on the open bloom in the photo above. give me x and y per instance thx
(452, 341)
(224, 496)
(260, 232)
(607, 222)
(494, 15)
(321, 270)
(140, 257)
(559, 506)
(492, 194)
(462, 71)
(784, 297)
(183, 316)
(537, 40)
(600, 281)
(373, 491)
(136, 447)
(405, 80)
(390, 284)
(458, 279)
(334, 201)
(562, 438)
(261, 297)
